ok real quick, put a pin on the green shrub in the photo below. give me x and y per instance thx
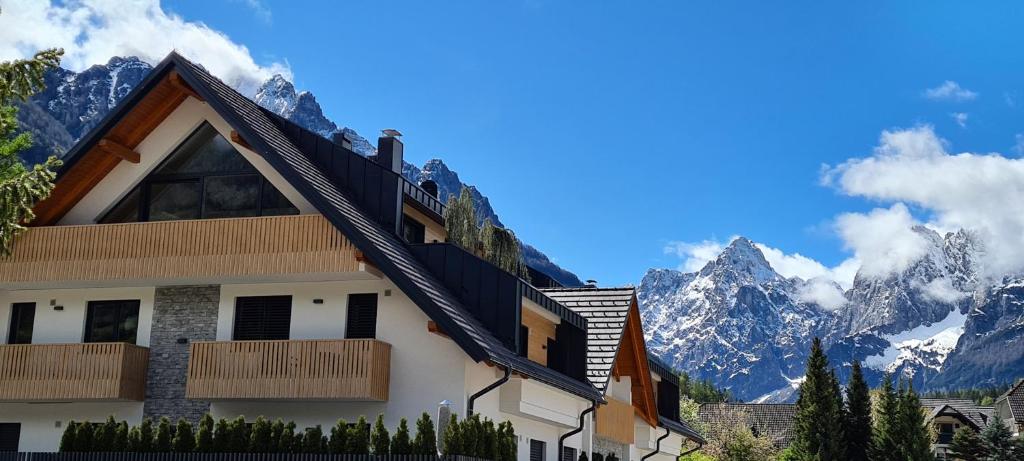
(222, 436)
(163, 436)
(359, 438)
(84, 436)
(508, 442)
(583, 456)
(313, 440)
(146, 436)
(67, 440)
(338, 443)
(489, 440)
(204, 436)
(184, 440)
(135, 440)
(380, 439)
(400, 443)
(238, 436)
(287, 440)
(275, 436)
(451, 440)
(104, 435)
(425, 442)
(259, 439)
(121, 437)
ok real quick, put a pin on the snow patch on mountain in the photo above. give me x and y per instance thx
(926, 345)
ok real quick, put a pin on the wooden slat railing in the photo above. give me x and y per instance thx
(343, 369)
(188, 249)
(72, 372)
(614, 421)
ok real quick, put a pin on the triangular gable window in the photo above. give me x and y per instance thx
(204, 178)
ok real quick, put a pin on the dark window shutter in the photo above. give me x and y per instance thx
(524, 340)
(556, 356)
(361, 322)
(9, 435)
(261, 318)
(668, 399)
(22, 319)
(537, 449)
(568, 454)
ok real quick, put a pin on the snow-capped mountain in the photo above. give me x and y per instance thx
(742, 325)
(75, 102)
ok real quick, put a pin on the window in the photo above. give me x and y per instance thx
(9, 435)
(262, 318)
(568, 454)
(537, 449)
(204, 178)
(112, 321)
(413, 230)
(22, 318)
(361, 322)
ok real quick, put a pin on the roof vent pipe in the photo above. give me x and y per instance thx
(590, 284)
(430, 187)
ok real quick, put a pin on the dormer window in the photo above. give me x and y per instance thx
(204, 178)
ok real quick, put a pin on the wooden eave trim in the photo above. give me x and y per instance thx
(237, 138)
(648, 409)
(119, 150)
(175, 79)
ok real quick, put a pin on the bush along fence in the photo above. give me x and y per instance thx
(466, 440)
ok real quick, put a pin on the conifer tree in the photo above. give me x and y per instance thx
(359, 438)
(313, 440)
(583, 456)
(67, 440)
(400, 442)
(999, 444)
(146, 436)
(163, 436)
(184, 440)
(222, 436)
(204, 436)
(338, 442)
(380, 439)
(425, 442)
(84, 434)
(858, 415)
(916, 439)
(885, 436)
(287, 441)
(238, 435)
(121, 437)
(452, 443)
(134, 440)
(488, 447)
(259, 439)
(275, 436)
(105, 434)
(967, 446)
(817, 429)
(510, 443)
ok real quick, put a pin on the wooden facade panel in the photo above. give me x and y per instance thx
(187, 249)
(614, 421)
(541, 330)
(72, 372)
(344, 369)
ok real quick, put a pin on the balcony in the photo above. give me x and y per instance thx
(615, 421)
(72, 372)
(345, 369)
(234, 248)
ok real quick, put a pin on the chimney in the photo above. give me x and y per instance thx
(430, 186)
(590, 284)
(389, 150)
(341, 138)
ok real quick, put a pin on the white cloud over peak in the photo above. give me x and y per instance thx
(883, 239)
(950, 91)
(93, 31)
(960, 118)
(823, 292)
(696, 254)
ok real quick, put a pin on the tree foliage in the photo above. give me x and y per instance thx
(204, 436)
(967, 446)
(495, 244)
(858, 415)
(184, 440)
(818, 425)
(999, 444)
(22, 78)
(380, 439)
(425, 442)
(702, 391)
(916, 441)
(401, 444)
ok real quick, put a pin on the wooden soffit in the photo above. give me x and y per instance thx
(631, 361)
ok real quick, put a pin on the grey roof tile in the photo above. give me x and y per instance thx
(772, 420)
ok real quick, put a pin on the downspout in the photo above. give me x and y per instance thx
(561, 440)
(657, 446)
(489, 388)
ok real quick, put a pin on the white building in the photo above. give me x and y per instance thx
(200, 253)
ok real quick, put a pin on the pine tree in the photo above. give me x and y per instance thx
(238, 435)
(204, 436)
(451, 440)
(338, 442)
(510, 443)
(259, 439)
(121, 437)
(488, 447)
(287, 441)
(967, 446)
(222, 436)
(858, 415)
(400, 442)
(916, 443)
(84, 435)
(313, 440)
(105, 434)
(359, 438)
(67, 440)
(998, 442)
(885, 436)
(425, 442)
(184, 440)
(146, 436)
(135, 440)
(817, 429)
(163, 436)
(380, 440)
(275, 436)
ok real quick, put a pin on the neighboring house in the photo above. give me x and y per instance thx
(201, 254)
(772, 420)
(949, 415)
(1010, 408)
(641, 418)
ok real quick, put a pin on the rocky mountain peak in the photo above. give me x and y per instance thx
(277, 94)
(741, 262)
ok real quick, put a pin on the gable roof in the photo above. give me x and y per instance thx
(1015, 400)
(772, 420)
(972, 413)
(606, 310)
(259, 130)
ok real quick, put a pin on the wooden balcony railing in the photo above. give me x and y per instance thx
(184, 249)
(72, 372)
(343, 369)
(615, 421)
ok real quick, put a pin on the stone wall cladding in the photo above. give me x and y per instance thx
(188, 312)
(605, 446)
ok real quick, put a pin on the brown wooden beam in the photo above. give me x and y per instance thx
(180, 84)
(119, 150)
(433, 328)
(238, 139)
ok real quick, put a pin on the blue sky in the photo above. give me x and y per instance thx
(605, 131)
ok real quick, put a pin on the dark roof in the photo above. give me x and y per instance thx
(976, 414)
(383, 248)
(662, 369)
(680, 428)
(772, 420)
(606, 310)
(1015, 398)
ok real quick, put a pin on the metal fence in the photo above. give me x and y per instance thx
(103, 456)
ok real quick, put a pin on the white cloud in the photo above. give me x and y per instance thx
(1010, 98)
(798, 265)
(960, 118)
(942, 290)
(696, 255)
(950, 91)
(823, 292)
(92, 31)
(980, 192)
(259, 8)
(1018, 145)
